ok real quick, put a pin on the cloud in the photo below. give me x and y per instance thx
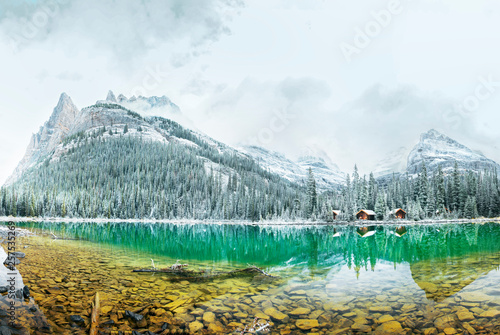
(127, 28)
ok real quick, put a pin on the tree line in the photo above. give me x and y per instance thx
(106, 174)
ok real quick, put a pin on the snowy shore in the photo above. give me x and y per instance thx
(260, 223)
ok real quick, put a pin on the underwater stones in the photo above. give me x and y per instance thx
(492, 313)
(76, 319)
(469, 329)
(450, 331)
(306, 324)
(195, 326)
(408, 307)
(381, 297)
(18, 254)
(277, 315)
(380, 309)
(260, 315)
(465, 315)
(430, 331)
(385, 318)
(427, 287)
(240, 315)
(159, 311)
(361, 328)
(474, 297)
(447, 321)
(176, 304)
(209, 317)
(11, 260)
(259, 298)
(340, 308)
(340, 331)
(315, 314)
(300, 311)
(388, 328)
(26, 292)
(133, 316)
(219, 309)
(214, 328)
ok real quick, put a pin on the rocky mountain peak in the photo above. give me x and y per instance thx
(111, 96)
(436, 149)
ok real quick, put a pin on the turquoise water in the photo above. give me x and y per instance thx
(349, 279)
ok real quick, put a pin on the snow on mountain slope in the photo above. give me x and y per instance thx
(49, 135)
(145, 106)
(437, 149)
(394, 162)
(327, 176)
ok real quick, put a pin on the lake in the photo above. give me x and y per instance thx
(325, 279)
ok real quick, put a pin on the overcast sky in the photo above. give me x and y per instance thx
(353, 79)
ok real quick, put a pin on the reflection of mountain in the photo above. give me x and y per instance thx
(316, 246)
(441, 278)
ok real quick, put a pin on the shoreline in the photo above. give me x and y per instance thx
(252, 223)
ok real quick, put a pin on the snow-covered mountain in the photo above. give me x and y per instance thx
(394, 162)
(327, 175)
(436, 149)
(145, 106)
(49, 136)
(147, 118)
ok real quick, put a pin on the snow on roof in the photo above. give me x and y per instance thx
(367, 211)
(337, 212)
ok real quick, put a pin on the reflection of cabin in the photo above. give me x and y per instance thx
(400, 231)
(365, 214)
(398, 213)
(335, 214)
(366, 231)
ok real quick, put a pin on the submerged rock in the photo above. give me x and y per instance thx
(195, 326)
(387, 328)
(18, 254)
(306, 324)
(277, 315)
(492, 313)
(77, 319)
(465, 315)
(443, 322)
(134, 316)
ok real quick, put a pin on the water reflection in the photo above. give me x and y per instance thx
(351, 276)
(434, 253)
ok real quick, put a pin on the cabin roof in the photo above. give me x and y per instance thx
(367, 211)
(336, 211)
(394, 211)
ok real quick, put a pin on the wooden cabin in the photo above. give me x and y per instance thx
(365, 214)
(398, 213)
(335, 213)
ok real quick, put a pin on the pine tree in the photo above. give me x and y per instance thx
(311, 194)
(380, 207)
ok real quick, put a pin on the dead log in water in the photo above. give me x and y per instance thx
(94, 319)
(182, 273)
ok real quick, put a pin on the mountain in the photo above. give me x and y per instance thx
(107, 160)
(49, 136)
(437, 149)
(145, 106)
(394, 162)
(327, 175)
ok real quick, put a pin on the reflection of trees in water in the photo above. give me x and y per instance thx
(315, 246)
